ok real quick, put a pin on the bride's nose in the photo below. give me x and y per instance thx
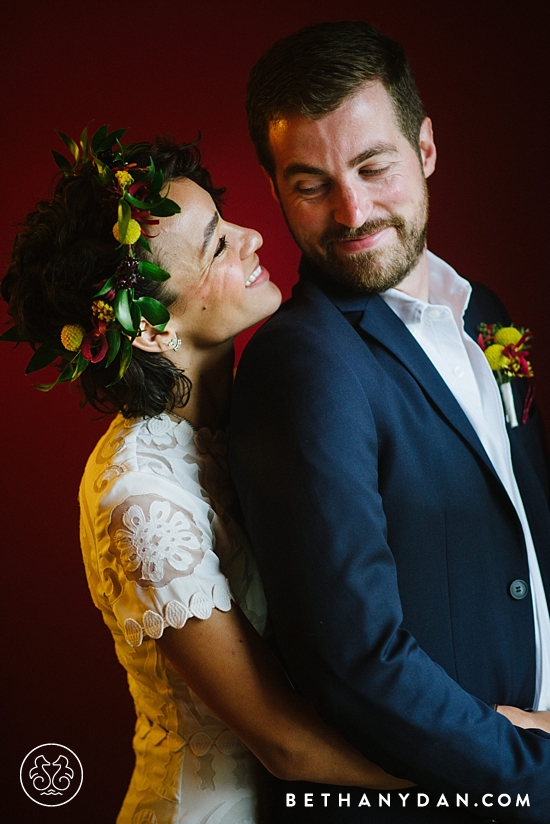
(251, 240)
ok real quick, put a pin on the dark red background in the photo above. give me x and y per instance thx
(179, 67)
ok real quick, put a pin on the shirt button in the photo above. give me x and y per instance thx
(434, 313)
(458, 371)
(518, 589)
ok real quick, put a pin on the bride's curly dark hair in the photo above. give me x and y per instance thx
(65, 249)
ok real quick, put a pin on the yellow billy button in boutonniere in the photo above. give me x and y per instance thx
(507, 351)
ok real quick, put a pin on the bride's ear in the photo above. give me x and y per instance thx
(151, 340)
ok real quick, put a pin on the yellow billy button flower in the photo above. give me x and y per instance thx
(495, 357)
(507, 335)
(133, 232)
(125, 180)
(72, 335)
(102, 310)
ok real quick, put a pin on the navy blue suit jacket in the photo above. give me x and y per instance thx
(387, 544)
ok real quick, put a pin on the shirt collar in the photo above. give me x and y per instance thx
(446, 288)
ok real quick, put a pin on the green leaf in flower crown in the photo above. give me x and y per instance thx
(122, 309)
(99, 137)
(66, 375)
(153, 311)
(109, 284)
(62, 162)
(152, 272)
(12, 335)
(165, 208)
(152, 170)
(113, 339)
(120, 150)
(125, 358)
(124, 215)
(70, 144)
(106, 175)
(135, 311)
(114, 137)
(137, 204)
(43, 356)
(136, 148)
(157, 183)
(125, 355)
(142, 240)
(80, 365)
(84, 142)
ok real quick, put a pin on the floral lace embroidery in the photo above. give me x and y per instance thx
(149, 542)
(161, 432)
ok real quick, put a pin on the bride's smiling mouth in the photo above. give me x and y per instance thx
(259, 275)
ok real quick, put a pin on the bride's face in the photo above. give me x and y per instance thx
(215, 270)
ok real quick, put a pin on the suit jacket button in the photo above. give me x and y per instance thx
(518, 589)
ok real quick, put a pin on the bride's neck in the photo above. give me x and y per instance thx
(211, 374)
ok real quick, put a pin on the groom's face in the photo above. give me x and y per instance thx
(353, 189)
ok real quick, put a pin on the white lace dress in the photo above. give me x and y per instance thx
(159, 546)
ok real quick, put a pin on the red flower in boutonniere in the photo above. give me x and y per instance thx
(507, 351)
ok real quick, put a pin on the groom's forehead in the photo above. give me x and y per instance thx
(359, 125)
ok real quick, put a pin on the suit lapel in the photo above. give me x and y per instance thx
(371, 315)
(381, 323)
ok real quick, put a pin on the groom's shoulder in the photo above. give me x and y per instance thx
(306, 336)
(308, 313)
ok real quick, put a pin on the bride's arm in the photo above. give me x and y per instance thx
(226, 663)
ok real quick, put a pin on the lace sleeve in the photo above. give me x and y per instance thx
(160, 567)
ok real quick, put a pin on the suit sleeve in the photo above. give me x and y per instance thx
(305, 459)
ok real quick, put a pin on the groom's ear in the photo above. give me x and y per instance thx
(426, 144)
(274, 192)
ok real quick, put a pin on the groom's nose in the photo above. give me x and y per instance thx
(351, 205)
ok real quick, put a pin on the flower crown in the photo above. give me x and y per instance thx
(115, 313)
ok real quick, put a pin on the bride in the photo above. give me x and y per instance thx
(132, 279)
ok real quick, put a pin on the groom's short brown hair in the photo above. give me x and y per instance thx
(312, 72)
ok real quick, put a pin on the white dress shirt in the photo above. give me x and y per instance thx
(438, 326)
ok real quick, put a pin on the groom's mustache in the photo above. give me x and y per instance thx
(369, 228)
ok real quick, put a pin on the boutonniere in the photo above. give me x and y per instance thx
(507, 351)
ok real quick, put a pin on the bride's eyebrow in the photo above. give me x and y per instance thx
(209, 231)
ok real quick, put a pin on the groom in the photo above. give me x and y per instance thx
(401, 526)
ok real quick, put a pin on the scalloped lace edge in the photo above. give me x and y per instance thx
(176, 614)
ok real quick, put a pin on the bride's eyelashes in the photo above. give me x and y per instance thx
(222, 245)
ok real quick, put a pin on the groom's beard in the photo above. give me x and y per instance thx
(373, 270)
